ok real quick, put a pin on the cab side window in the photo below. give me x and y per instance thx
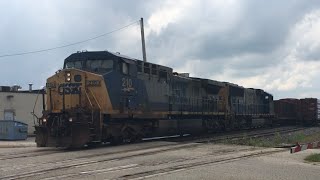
(163, 75)
(125, 68)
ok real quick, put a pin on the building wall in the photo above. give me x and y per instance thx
(21, 104)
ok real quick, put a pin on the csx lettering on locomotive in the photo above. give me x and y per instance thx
(70, 88)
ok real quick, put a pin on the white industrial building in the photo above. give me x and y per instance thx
(19, 105)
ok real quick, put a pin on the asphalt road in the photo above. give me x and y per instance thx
(157, 160)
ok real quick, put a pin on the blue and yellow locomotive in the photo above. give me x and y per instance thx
(107, 97)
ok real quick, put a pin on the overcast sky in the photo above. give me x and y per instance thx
(272, 45)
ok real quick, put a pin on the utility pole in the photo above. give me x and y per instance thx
(142, 41)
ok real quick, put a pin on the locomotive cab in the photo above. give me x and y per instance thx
(78, 102)
(73, 114)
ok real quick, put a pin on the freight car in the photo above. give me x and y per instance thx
(297, 111)
(287, 111)
(310, 111)
(107, 97)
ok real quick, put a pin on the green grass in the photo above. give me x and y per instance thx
(259, 143)
(296, 138)
(313, 158)
(262, 142)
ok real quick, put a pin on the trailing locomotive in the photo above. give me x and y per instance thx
(107, 97)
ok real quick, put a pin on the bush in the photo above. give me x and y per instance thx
(313, 158)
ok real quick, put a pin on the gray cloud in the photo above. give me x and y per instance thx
(260, 29)
(231, 41)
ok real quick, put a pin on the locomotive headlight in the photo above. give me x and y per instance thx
(44, 120)
(68, 76)
(70, 119)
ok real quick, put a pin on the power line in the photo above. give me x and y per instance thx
(71, 44)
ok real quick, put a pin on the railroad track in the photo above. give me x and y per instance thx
(199, 139)
(85, 157)
(198, 161)
(86, 160)
(184, 167)
(150, 151)
(181, 166)
(251, 135)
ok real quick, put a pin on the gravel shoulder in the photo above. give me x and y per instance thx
(282, 165)
(278, 139)
(29, 142)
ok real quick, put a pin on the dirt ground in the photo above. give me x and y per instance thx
(157, 160)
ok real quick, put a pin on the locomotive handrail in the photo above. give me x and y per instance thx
(90, 104)
(88, 98)
(94, 97)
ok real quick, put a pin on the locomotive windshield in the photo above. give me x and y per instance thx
(100, 66)
(74, 64)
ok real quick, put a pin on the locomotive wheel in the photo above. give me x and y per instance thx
(116, 140)
(136, 138)
(131, 135)
(41, 143)
(93, 144)
(41, 138)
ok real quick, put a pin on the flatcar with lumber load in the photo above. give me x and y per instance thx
(291, 111)
(287, 111)
(310, 111)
